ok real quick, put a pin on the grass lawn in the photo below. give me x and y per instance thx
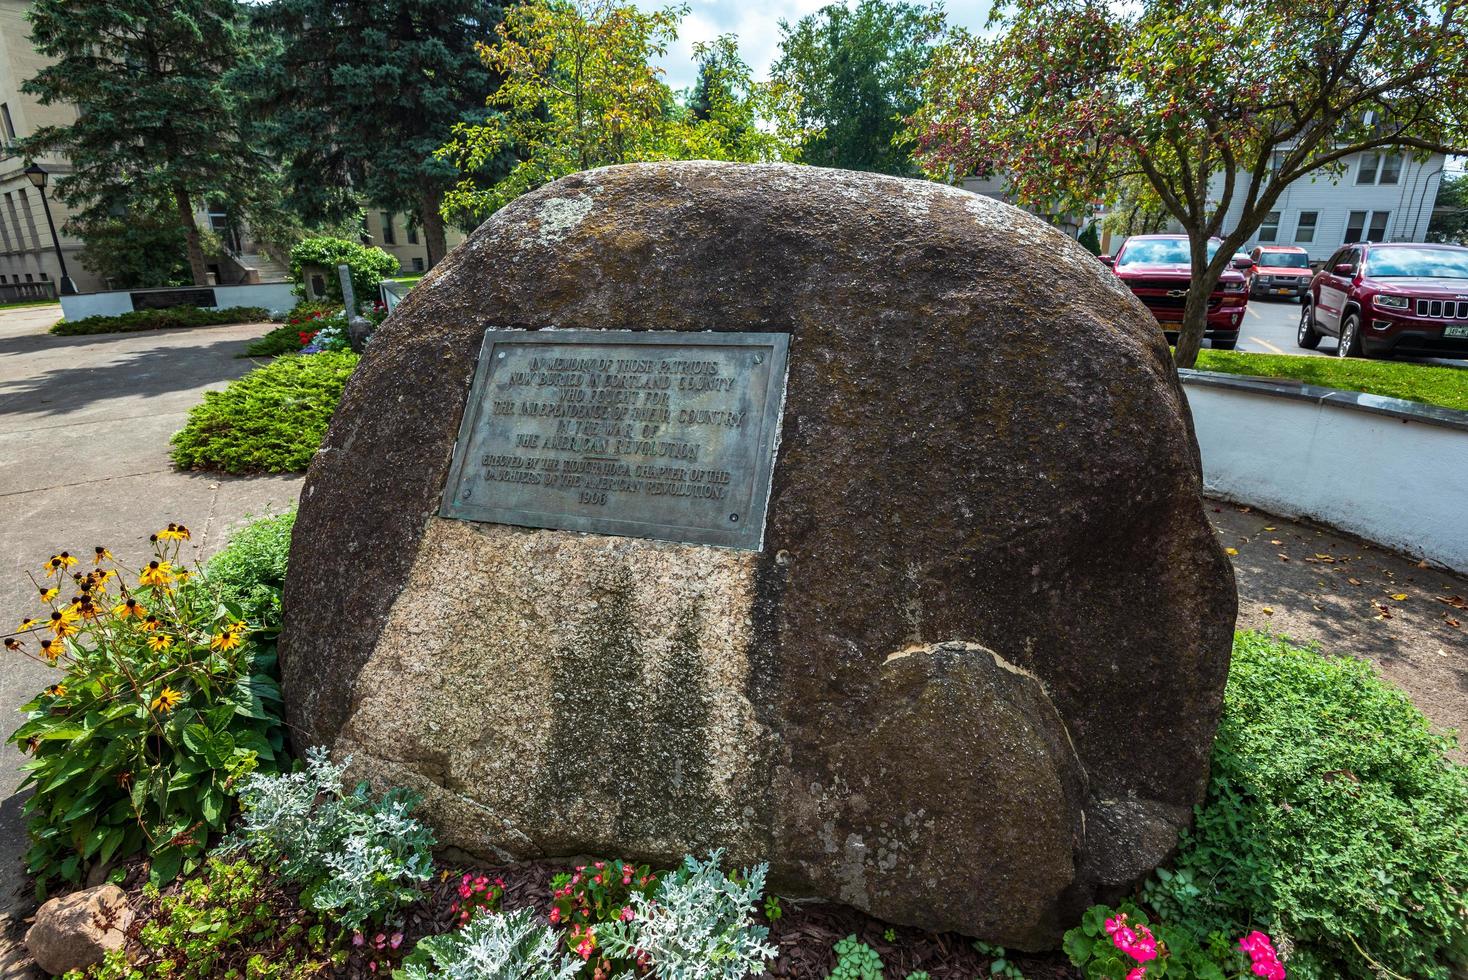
(29, 302)
(1445, 386)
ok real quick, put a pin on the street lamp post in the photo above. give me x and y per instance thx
(38, 175)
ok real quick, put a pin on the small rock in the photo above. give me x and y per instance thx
(77, 930)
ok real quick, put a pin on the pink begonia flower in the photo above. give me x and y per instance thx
(357, 939)
(1140, 973)
(555, 915)
(626, 915)
(396, 941)
(584, 949)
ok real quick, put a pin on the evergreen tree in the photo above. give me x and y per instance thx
(158, 125)
(1090, 239)
(361, 94)
(857, 75)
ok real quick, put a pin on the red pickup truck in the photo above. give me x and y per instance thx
(1394, 298)
(1157, 269)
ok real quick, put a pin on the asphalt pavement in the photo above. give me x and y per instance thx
(84, 430)
(1270, 326)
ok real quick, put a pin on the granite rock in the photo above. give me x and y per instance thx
(973, 677)
(77, 930)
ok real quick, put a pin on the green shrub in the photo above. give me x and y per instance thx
(1164, 950)
(368, 264)
(165, 700)
(230, 920)
(1333, 821)
(250, 571)
(272, 420)
(172, 316)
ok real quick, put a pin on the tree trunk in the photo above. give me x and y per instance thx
(197, 268)
(1195, 320)
(433, 232)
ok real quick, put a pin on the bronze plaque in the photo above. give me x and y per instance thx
(651, 435)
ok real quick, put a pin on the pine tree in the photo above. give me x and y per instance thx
(158, 125)
(361, 94)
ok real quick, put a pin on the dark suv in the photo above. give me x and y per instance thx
(1394, 298)
(1158, 269)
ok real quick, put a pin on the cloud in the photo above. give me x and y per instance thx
(757, 25)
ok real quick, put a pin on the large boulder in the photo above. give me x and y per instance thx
(970, 681)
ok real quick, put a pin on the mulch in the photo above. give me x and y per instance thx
(804, 933)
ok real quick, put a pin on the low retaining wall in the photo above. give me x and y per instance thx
(274, 296)
(1387, 470)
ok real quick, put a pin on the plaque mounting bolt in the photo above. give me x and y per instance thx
(734, 518)
(759, 358)
(466, 494)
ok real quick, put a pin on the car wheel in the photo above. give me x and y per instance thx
(1225, 344)
(1307, 336)
(1350, 345)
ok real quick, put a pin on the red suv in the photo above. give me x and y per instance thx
(1387, 299)
(1157, 269)
(1280, 270)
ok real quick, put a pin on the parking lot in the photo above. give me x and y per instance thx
(1270, 325)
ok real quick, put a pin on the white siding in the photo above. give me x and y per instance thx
(1408, 203)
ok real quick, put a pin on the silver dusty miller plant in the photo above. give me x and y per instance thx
(356, 858)
(699, 926)
(492, 947)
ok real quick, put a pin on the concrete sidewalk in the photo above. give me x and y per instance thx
(84, 429)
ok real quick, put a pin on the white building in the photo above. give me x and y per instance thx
(1380, 197)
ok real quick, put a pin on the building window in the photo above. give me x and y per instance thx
(14, 221)
(45, 278)
(29, 277)
(3, 277)
(1305, 230)
(417, 265)
(1371, 224)
(389, 237)
(7, 125)
(30, 217)
(1379, 168)
(1269, 229)
(412, 234)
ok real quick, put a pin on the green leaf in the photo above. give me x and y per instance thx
(165, 866)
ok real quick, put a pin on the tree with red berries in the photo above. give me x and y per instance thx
(1217, 105)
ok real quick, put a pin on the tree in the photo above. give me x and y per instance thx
(578, 92)
(158, 124)
(361, 95)
(1450, 217)
(1218, 105)
(856, 73)
(1090, 239)
(1135, 209)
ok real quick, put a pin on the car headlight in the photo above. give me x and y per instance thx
(1384, 302)
(1233, 287)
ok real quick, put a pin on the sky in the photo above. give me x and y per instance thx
(757, 24)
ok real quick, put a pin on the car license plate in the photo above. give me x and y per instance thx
(1284, 290)
(1455, 331)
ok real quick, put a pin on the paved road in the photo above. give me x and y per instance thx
(84, 429)
(1270, 325)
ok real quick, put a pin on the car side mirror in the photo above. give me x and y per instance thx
(1108, 260)
(1342, 269)
(1244, 263)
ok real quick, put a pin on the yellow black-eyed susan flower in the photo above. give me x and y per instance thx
(150, 622)
(28, 624)
(48, 594)
(102, 555)
(160, 642)
(157, 573)
(227, 640)
(129, 608)
(63, 621)
(57, 690)
(166, 700)
(174, 532)
(59, 563)
(53, 649)
(13, 645)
